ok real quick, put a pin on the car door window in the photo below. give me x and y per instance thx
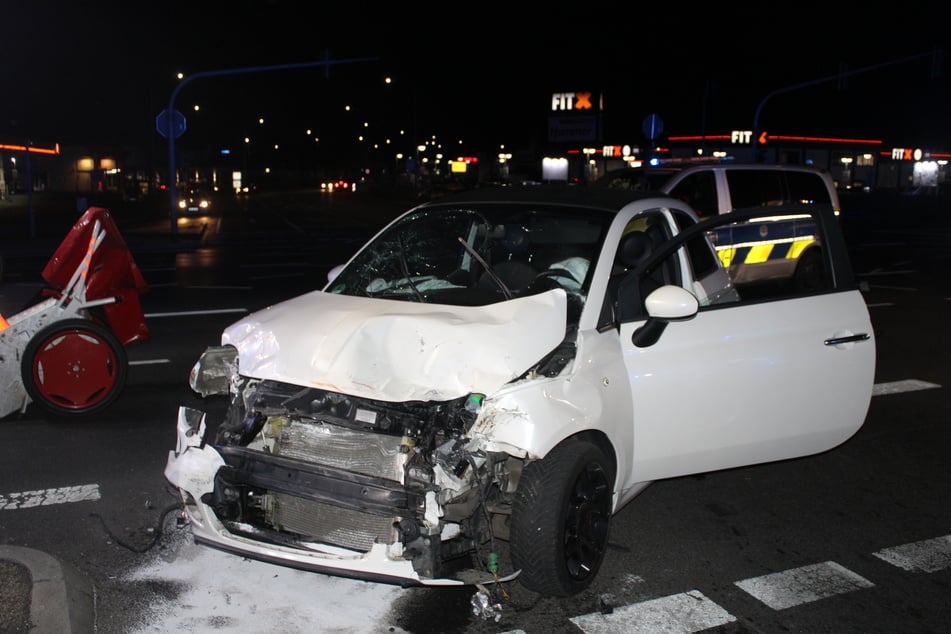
(753, 255)
(699, 190)
(807, 188)
(642, 237)
(756, 188)
(777, 253)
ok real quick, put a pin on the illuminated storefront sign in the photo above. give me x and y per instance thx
(906, 154)
(573, 101)
(619, 151)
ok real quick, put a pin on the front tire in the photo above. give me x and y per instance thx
(74, 367)
(561, 518)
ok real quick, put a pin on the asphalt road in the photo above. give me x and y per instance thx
(859, 537)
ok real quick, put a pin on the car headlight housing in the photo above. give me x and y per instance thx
(215, 371)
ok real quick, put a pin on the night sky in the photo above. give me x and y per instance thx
(98, 73)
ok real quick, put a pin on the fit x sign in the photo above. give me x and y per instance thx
(572, 101)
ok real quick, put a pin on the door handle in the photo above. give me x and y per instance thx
(834, 341)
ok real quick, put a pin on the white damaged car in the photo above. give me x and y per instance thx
(512, 365)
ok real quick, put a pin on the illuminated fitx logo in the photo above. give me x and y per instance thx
(906, 154)
(571, 101)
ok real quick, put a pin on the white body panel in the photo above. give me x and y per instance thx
(396, 350)
(748, 384)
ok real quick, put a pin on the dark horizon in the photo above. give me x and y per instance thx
(100, 76)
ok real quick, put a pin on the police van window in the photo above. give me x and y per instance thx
(699, 190)
(774, 256)
(807, 188)
(756, 188)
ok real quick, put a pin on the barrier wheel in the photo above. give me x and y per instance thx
(74, 367)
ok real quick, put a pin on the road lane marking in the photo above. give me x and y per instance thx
(685, 612)
(46, 497)
(930, 555)
(880, 287)
(882, 273)
(191, 313)
(149, 362)
(794, 587)
(897, 387)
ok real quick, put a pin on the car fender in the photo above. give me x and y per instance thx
(531, 417)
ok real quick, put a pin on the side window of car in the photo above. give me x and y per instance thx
(744, 257)
(807, 188)
(643, 237)
(774, 255)
(699, 190)
(755, 188)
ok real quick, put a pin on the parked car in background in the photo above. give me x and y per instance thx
(506, 369)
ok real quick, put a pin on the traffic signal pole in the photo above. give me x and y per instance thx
(935, 55)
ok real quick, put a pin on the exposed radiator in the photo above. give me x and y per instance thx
(331, 524)
(362, 452)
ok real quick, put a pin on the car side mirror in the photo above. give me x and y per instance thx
(664, 305)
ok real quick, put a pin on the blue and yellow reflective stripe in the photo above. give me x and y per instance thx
(765, 239)
(763, 250)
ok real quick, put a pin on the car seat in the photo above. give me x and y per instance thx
(510, 261)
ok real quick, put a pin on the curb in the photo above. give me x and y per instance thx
(62, 600)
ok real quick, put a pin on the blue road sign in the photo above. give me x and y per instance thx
(170, 122)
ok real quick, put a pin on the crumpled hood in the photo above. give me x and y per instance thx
(394, 350)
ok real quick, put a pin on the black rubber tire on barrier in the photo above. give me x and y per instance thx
(561, 518)
(74, 367)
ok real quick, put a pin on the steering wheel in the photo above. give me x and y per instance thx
(550, 278)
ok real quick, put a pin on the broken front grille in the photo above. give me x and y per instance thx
(326, 504)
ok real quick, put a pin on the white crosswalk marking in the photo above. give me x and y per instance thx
(930, 555)
(686, 612)
(896, 387)
(789, 588)
(45, 497)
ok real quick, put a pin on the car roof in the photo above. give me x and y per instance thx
(676, 168)
(574, 195)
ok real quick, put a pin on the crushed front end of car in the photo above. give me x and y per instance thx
(333, 480)
(318, 479)
(378, 428)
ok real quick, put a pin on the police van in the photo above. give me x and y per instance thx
(778, 247)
